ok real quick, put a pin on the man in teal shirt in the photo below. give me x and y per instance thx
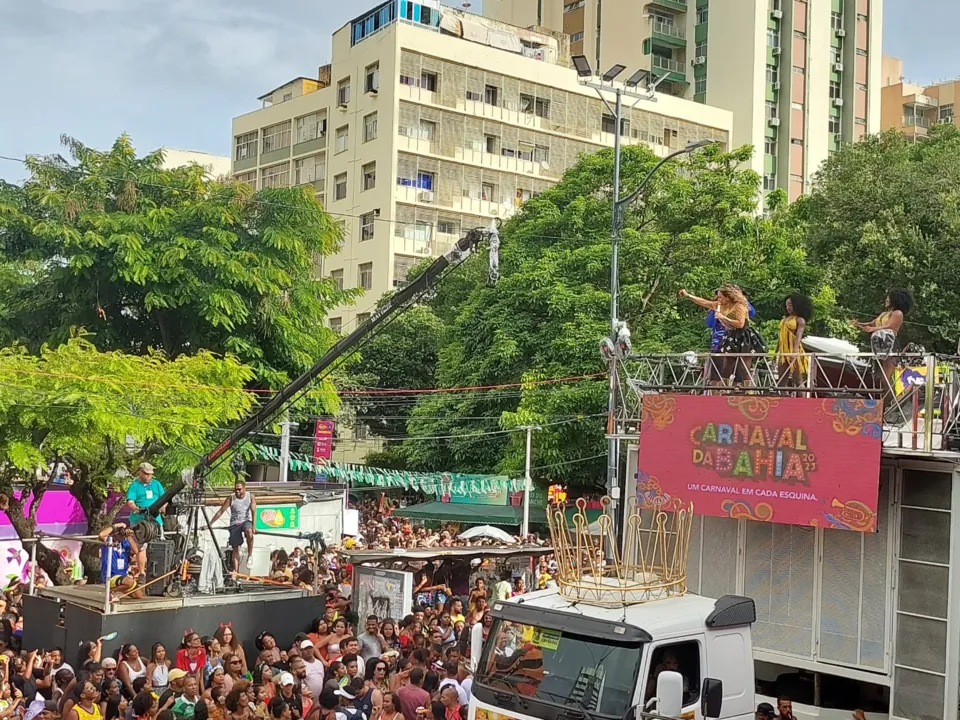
(142, 493)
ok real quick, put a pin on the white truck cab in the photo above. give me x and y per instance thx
(550, 656)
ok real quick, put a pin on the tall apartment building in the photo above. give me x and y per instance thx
(799, 76)
(430, 121)
(913, 108)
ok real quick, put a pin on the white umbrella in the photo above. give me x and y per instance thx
(487, 531)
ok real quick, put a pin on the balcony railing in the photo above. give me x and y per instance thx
(669, 31)
(923, 386)
(677, 5)
(916, 121)
(662, 63)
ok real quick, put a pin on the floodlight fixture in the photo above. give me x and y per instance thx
(638, 77)
(610, 74)
(582, 66)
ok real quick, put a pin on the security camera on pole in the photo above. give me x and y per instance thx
(605, 87)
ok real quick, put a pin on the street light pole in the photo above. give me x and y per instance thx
(527, 484)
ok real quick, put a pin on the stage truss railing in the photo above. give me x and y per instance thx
(913, 388)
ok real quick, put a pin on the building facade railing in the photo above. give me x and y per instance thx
(920, 392)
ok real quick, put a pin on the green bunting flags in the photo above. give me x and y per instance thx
(435, 483)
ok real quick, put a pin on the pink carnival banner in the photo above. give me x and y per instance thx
(798, 461)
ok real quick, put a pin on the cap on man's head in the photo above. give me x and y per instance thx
(306, 644)
(345, 692)
(766, 710)
(146, 468)
(286, 679)
(176, 674)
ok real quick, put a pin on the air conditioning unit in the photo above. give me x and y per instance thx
(838, 67)
(776, 14)
(342, 107)
(422, 250)
(774, 122)
(777, 51)
(841, 33)
(776, 85)
(426, 196)
(838, 102)
(699, 60)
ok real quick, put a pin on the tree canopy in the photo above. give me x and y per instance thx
(884, 213)
(695, 227)
(146, 257)
(102, 413)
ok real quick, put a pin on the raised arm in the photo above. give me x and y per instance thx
(708, 304)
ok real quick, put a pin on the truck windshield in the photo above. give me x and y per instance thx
(558, 667)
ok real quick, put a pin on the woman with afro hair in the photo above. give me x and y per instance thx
(792, 364)
(885, 328)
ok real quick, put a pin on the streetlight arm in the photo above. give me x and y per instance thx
(623, 204)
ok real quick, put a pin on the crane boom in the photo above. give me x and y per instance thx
(397, 303)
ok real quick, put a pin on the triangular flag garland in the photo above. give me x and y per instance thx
(435, 483)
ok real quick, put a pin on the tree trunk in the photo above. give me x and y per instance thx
(93, 504)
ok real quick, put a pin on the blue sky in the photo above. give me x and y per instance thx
(174, 72)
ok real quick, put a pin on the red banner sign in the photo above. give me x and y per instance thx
(799, 461)
(323, 440)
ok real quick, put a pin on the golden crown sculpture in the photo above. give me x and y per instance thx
(592, 568)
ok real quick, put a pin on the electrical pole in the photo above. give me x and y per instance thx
(528, 483)
(285, 448)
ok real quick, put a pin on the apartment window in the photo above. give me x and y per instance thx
(340, 186)
(343, 138)
(343, 91)
(771, 109)
(796, 178)
(541, 154)
(367, 223)
(250, 178)
(428, 81)
(426, 180)
(309, 169)
(799, 34)
(475, 96)
(836, 20)
(701, 50)
(276, 137)
(369, 175)
(275, 176)
(370, 127)
(773, 39)
(863, 121)
(311, 127)
(796, 141)
(448, 227)
(861, 52)
(796, 106)
(861, 86)
(702, 15)
(946, 113)
(835, 56)
(573, 6)
(488, 192)
(542, 108)
(769, 183)
(770, 146)
(245, 146)
(336, 324)
(526, 103)
(360, 430)
(525, 151)
(371, 83)
(798, 70)
(364, 277)
(491, 94)
(700, 86)
(491, 143)
(523, 196)
(428, 130)
(336, 276)
(772, 74)
(287, 96)
(861, 17)
(833, 125)
(576, 37)
(402, 265)
(608, 124)
(834, 90)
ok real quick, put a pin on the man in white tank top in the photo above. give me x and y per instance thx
(243, 508)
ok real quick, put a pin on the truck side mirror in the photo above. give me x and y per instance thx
(669, 700)
(711, 698)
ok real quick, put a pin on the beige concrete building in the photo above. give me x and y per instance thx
(913, 108)
(430, 121)
(217, 166)
(799, 76)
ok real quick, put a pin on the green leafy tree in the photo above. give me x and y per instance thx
(101, 414)
(696, 227)
(883, 213)
(145, 257)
